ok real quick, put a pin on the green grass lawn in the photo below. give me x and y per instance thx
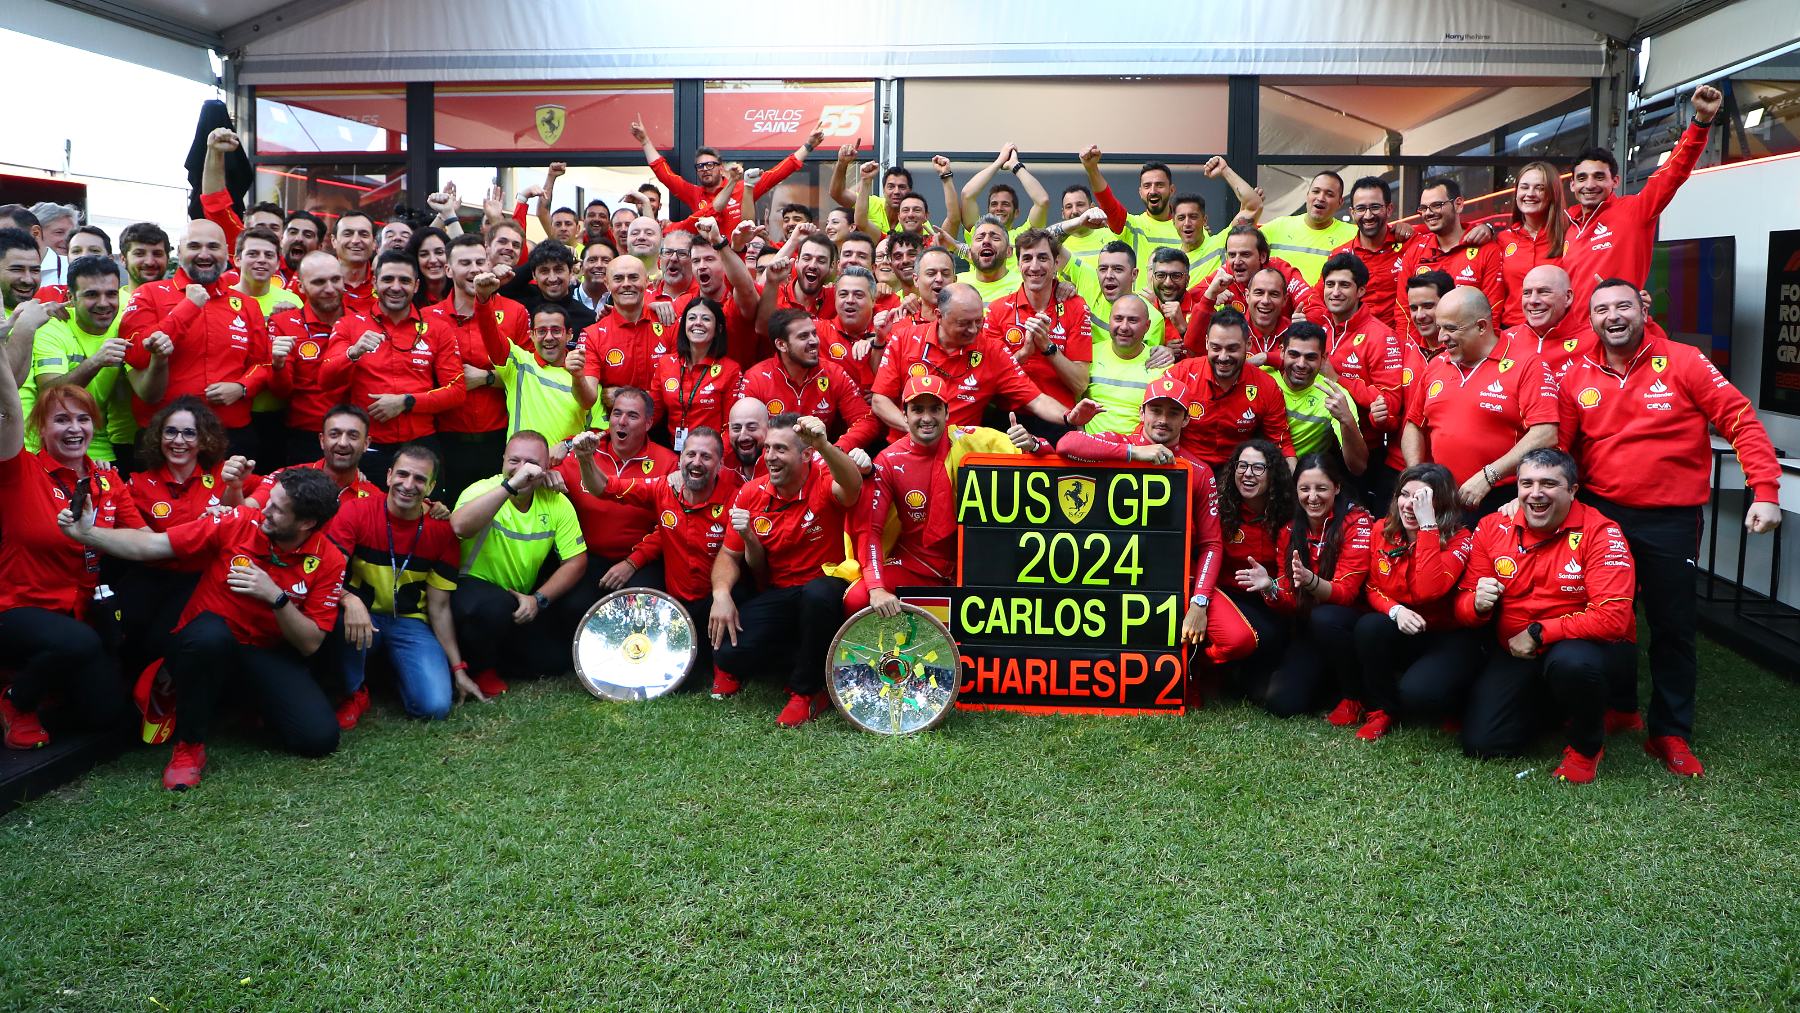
(550, 852)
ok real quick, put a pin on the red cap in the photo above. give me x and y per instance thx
(1166, 387)
(927, 385)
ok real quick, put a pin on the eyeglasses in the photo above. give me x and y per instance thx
(545, 332)
(172, 433)
(1368, 209)
(1434, 207)
(1251, 467)
(675, 254)
(708, 165)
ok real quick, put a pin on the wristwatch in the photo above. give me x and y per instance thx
(1536, 630)
(410, 401)
(1200, 600)
(543, 602)
(1052, 352)
(280, 600)
(721, 244)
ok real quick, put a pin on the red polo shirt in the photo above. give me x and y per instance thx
(301, 377)
(1520, 251)
(979, 372)
(839, 345)
(623, 354)
(614, 526)
(800, 536)
(687, 535)
(417, 356)
(827, 393)
(1370, 359)
(357, 488)
(1566, 340)
(312, 574)
(43, 568)
(1472, 416)
(1069, 332)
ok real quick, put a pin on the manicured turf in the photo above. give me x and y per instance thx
(549, 852)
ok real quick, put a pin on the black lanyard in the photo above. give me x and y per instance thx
(687, 404)
(398, 566)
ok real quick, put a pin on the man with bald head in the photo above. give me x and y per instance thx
(1487, 401)
(1549, 329)
(746, 429)
(298, 341)
(221, 340)
(977, 368)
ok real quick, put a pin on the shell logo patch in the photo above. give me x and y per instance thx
(1196, 410)
(159, 510)
(309, 564)
(1511, 248)
(762, 526)
(1406, 376)
(309, 350)
(1659, 362)
(1589, 397)
(1436, 388)
(240, 560)
(668, 518)
(670, 385)
(1383, 565)
(917, 369)
(615, 358)
(837, 350)
(776, 407)
(974, 359)
(1237, 537)
(1014, 336)
(1505, 567)
(915, 499)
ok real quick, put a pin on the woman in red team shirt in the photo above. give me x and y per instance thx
(49, 580)
(1533, 236)
(696, 385)
(1256, 499)
(430, 246)
(1413, 655)
(1326, 554)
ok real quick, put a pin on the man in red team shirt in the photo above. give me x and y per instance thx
(1444, 245)
(353, 240)
(978, 369)
(1372, 363)
(1422, 292)
(267, 597)
(1246, 253)
(709, 168)
(342, 439)
(1049, 337)
(689, 505)
(621, 348)
(299, 339)
(1487, 402)
(620, 532)
(1610, 236)
(220, 338)
(401, 366)
(1226, 404)
(842, 336)
(785, 528)
(1549, 328)
(798, 379)
(1634, 415)
(1557, 581)
(1157, 440)
(475, 434)
(799, 277)
(721, 275)
(1377, 246)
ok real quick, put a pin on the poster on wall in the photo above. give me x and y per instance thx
(1781, 326)
(1692, 287)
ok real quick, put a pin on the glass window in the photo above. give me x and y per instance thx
(545, 117)
(1766, 102)
(1318, 117)
(328, 118)
(1041, 115)
(576, 187)
(778, 115)
(1558, 137)
(330, 190)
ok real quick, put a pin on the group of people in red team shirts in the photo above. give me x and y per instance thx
(1436, 467)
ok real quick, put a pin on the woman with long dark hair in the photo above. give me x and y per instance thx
(1322, 561)
(1256, 500)
(1533, 236)
(696, 385)
(1413, 657)
(430, 249)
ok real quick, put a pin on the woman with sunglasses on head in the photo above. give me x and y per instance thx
(1413, 656)
(1256, 500)
(48, 592)
(697, 384)
(1322, 561)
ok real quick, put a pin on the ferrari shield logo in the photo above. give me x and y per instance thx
(550, 120)
(309, 564)
(1076, 496)
(1574, 540)
(1659, 362)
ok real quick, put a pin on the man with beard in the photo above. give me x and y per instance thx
(548, 278)
(221, 342)
(592, 293)
(1170, 295)
(912, 490)
(1320, 413)
(83, 348)
(353, 240)
(1634, 413)
(846, 336)
(620, 531)
(643, 239)
(342, 438)
(1487, 402)
(266, 599)
(145, 248)
(1157, 440)
(596, 224)
(539, 382)
(21, 268)
(621, 348)
(1306, 239)
(1444, 245)
(403, 368)
(747, 428)
(1373, 364)
(808, 257)
(1246, 253)
(675, 280)
(1227, 402)
(1049, 337)
(299, 339)
(1549, 330)
(709, 170)
(784, 529)
(1422, 292)
(1114, 277)
(721, 275)
(1378, 246)
(1153, 228)
(473, 436)
(992, 274)
(301, 233)
(689, 506)
(798, 379)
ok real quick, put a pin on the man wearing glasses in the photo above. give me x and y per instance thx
(539, 383)
(1444, 246)
(1378, 246)
(709, 169)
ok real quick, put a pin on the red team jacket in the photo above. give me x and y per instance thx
(1578, 581)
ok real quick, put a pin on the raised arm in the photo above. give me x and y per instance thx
(953, 216)
(840, 175)
(1103, 195)
(546, 201)
(868, 194)
(1040, 197)
(971, 191)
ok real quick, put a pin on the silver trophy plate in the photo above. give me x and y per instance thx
(634, 644)
(894, 675)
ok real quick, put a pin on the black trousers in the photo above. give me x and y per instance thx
(1664, 544)
(54, 651)
(1378, 481)
(269, 429)
(1423, 675)
(148, 602)
(380, 456)
(1513, 697)
(584, 594)
(699, 612)
(787, 631)
(468, 458)
(490, 639)
(207, 661)
(1319, 659)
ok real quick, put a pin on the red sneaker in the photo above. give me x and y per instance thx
(22, 728)
(1674, 753)
(351, 710)
(1451, 726)
(1576, 768)
(725, 684)
(489, 682)
(801, 709)
(183, 771)
(1375, 727)
(1619, 722)
(1346, 713)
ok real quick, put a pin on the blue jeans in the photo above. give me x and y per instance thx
(419, 665)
